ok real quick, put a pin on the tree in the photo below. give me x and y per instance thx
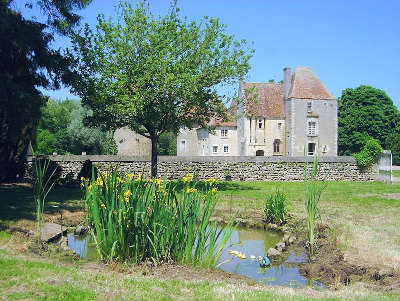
(61, 130)
(364, 113)
(393, 143)
(155, 74)
(26, 62)
(167, 144)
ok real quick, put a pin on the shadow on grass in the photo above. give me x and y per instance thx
(222, 185)
(17, 202)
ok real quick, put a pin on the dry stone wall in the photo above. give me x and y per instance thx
(239, 168)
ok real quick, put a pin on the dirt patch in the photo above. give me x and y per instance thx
(391, 196)
(69, 218)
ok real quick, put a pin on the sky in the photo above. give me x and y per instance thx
(347, 42)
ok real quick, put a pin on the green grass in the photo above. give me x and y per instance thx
(35, 279)
(17, 203)
(363, 215)
(396, 173)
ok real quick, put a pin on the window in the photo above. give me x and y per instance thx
(277, 146)
(312, 128)
(183, 146)
(309, 106)
(260, 153)
(215, 149)
(324, 149)
(226, 149)
(279, 125)
(311, 149)
(260, 124)
(224, 133)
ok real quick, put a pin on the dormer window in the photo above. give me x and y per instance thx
(260, 123)
(309, 106)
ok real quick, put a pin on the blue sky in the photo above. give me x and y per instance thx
(347, 43)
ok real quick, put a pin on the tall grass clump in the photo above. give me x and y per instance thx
(133, 219)
(44, 174)
(314, 187)
(276, 207)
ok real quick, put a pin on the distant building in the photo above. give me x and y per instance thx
(289, 119)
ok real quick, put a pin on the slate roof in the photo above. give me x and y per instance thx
(269, 100)
(218, 122)
(306, 84)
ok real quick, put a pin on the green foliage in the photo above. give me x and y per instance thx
(136, 220)
(167, 144)
(27, 63)
(364, 113)
(369, 155)
(148, 73)
(61, 130)
(87, 169)
(45, 142)
(314, 188)
(393, 143)
(275, 209)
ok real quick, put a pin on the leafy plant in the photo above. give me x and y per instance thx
(136, 220)
(314, 188)
(369, 155)
(45, 177)
(276, 207)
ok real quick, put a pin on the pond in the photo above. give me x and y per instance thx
(250, 242)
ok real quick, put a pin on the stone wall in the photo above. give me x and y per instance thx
(239, 168)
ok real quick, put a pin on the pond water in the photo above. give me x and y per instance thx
(247, 241)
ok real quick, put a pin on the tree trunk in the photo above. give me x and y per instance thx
(154, 155)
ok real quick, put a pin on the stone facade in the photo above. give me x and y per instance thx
(294, 118)
(240, 168)
(130, 143)
(311, 115)
(199, 142)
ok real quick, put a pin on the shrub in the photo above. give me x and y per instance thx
(275, 207)
(86, 170)
(369, 155)
(136, 220)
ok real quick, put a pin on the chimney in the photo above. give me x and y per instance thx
(287, 78)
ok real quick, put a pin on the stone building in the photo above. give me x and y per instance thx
(130, 143)
(289, 119)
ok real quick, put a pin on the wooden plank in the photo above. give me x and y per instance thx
(51, 231)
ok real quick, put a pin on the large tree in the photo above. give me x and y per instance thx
(27, 62)
(365, 112)
(155, 74)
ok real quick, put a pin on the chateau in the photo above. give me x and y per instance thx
(281, 119)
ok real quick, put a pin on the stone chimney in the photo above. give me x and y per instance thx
(287, 79)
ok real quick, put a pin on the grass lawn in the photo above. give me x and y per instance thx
(396, 173)
(364, 216)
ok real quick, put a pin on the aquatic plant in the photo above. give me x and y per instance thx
(313, 187)
(135, 219)
(276, 207)
(44, 173)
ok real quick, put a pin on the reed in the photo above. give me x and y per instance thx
(135, 219)
(44, 180)
(275, 209)
(313, 187)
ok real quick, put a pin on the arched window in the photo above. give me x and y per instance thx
(277, 146)
(260, 153)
